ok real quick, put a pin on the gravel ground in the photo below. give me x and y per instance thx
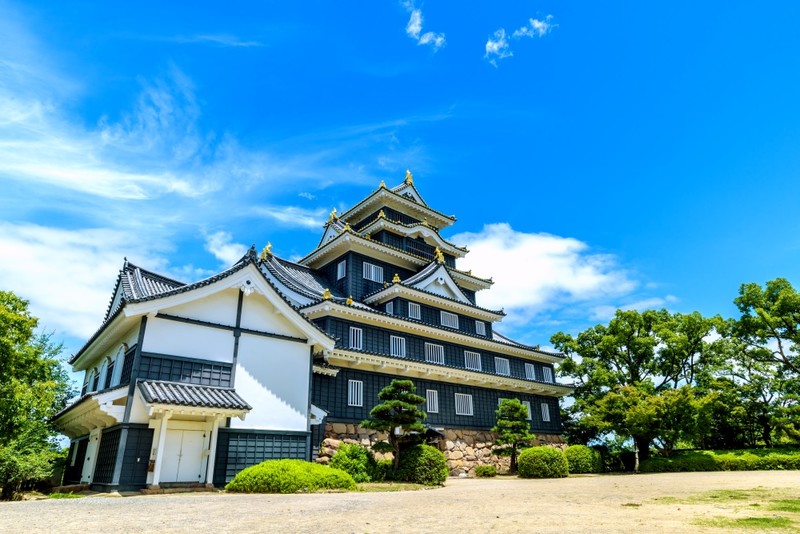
(608, 503)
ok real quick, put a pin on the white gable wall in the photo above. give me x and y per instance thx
(260, 314)
(219, 308)
(164, 336)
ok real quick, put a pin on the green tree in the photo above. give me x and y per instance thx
(399, 410)
(637, 355)
(512, 428)
(33, 387)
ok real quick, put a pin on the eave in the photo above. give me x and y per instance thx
(94, 410)
(470, 281)
(416, 369)
(352, 241)
(402, 324)
(419, 229)
(416, 295)
(386, 197)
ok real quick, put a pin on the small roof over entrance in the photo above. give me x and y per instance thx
(160, 396)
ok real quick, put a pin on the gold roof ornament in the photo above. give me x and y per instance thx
(396, 279)
(382, 185)
(381, 214)
(409, 177)
(425, 221)
(349, 300)
(346, 227)
(266, 252)
(367, 236)
(437, 254)
(327, 295)
(333, 216)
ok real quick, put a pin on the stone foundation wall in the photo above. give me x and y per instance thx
(463, 449)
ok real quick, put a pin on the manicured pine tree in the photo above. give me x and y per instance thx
(398, 409)
(512, 430)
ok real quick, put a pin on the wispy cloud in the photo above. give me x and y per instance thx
(498, 46)
(414, 28)
(214, 39)
(293, 216)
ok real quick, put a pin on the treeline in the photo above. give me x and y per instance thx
(661, 380)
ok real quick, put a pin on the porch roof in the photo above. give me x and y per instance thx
(178, 394)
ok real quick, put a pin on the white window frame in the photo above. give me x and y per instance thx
(530, 371)
(463, 404)
(448, 319)
(373, 272)
(356, 338)
(545, 412)
(341, 269)
(432, 401)
(548, 374)
(476, 356)
(434, 353)
(480, 328)
(390, 308)
(502, 363)
(414, 311)
(527, 405)
(355, 393)
(397, 346)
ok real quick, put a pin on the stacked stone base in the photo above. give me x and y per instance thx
(463, 449)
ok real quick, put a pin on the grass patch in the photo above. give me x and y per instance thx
(786, 505)
(632, 504)
(69, 495)
(388, 487)
(747, 523)
(736, 460)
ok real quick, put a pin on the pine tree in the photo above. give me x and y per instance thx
(512, 430)
(398, 409)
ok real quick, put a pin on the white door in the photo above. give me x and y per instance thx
(183, 456)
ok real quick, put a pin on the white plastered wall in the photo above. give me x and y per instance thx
(166, 336)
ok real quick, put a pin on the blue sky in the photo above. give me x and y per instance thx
(597, 155)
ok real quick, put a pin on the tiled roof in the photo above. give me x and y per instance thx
(297, 277)
(138, 283)
(437, 295)
(178, 394)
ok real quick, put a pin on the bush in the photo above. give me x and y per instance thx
(422, 464)
(289, 476)
(357, 461)
(542, 462)
(485, 471)
(582, 459)
(739, 460)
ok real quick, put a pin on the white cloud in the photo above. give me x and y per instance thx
(414, 29)
(292, 216)
(498, 47)
(216, 39)
(538, 272)
(219, 244)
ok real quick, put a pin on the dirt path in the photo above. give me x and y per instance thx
(611, 503)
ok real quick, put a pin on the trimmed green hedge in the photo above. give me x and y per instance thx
(739, 460)
(289, 476)
(542, 462)
(422, 464)
(485, 471)
(357, 461)
(582, 459)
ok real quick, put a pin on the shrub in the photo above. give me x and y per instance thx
(357, 461)
(485, 471)
(583, 459)
(738, 460)
(422, 464)
(289, 476)
(542, 462)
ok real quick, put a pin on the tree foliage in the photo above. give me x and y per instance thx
(33, 387)
(399, 409)
(513, 430)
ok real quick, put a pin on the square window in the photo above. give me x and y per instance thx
(548, 374)
(355, 393)
(463, 404)
(449, 319)
(356, 338)
(480, 328)
(373, 272)
(414, 311)
(390, 308)
(472, 360)
(398, 346)
(432, 396)
(434, 353)
(530, 371)
(501, 366)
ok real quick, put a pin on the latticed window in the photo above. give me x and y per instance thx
(548, 374)
(480, 328)
(530, 371)
(398, 346)
(373, 272)
(355, 393)
(341, 269)
(527, 405)
(109, 374)
(434, 353)
(501, 366)
(95, 379)
(414, 311)
(545, 412)
(449, 319)
(432, 397)
(472, 360)
(463, 404)
(356, 338)
(390, 308)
